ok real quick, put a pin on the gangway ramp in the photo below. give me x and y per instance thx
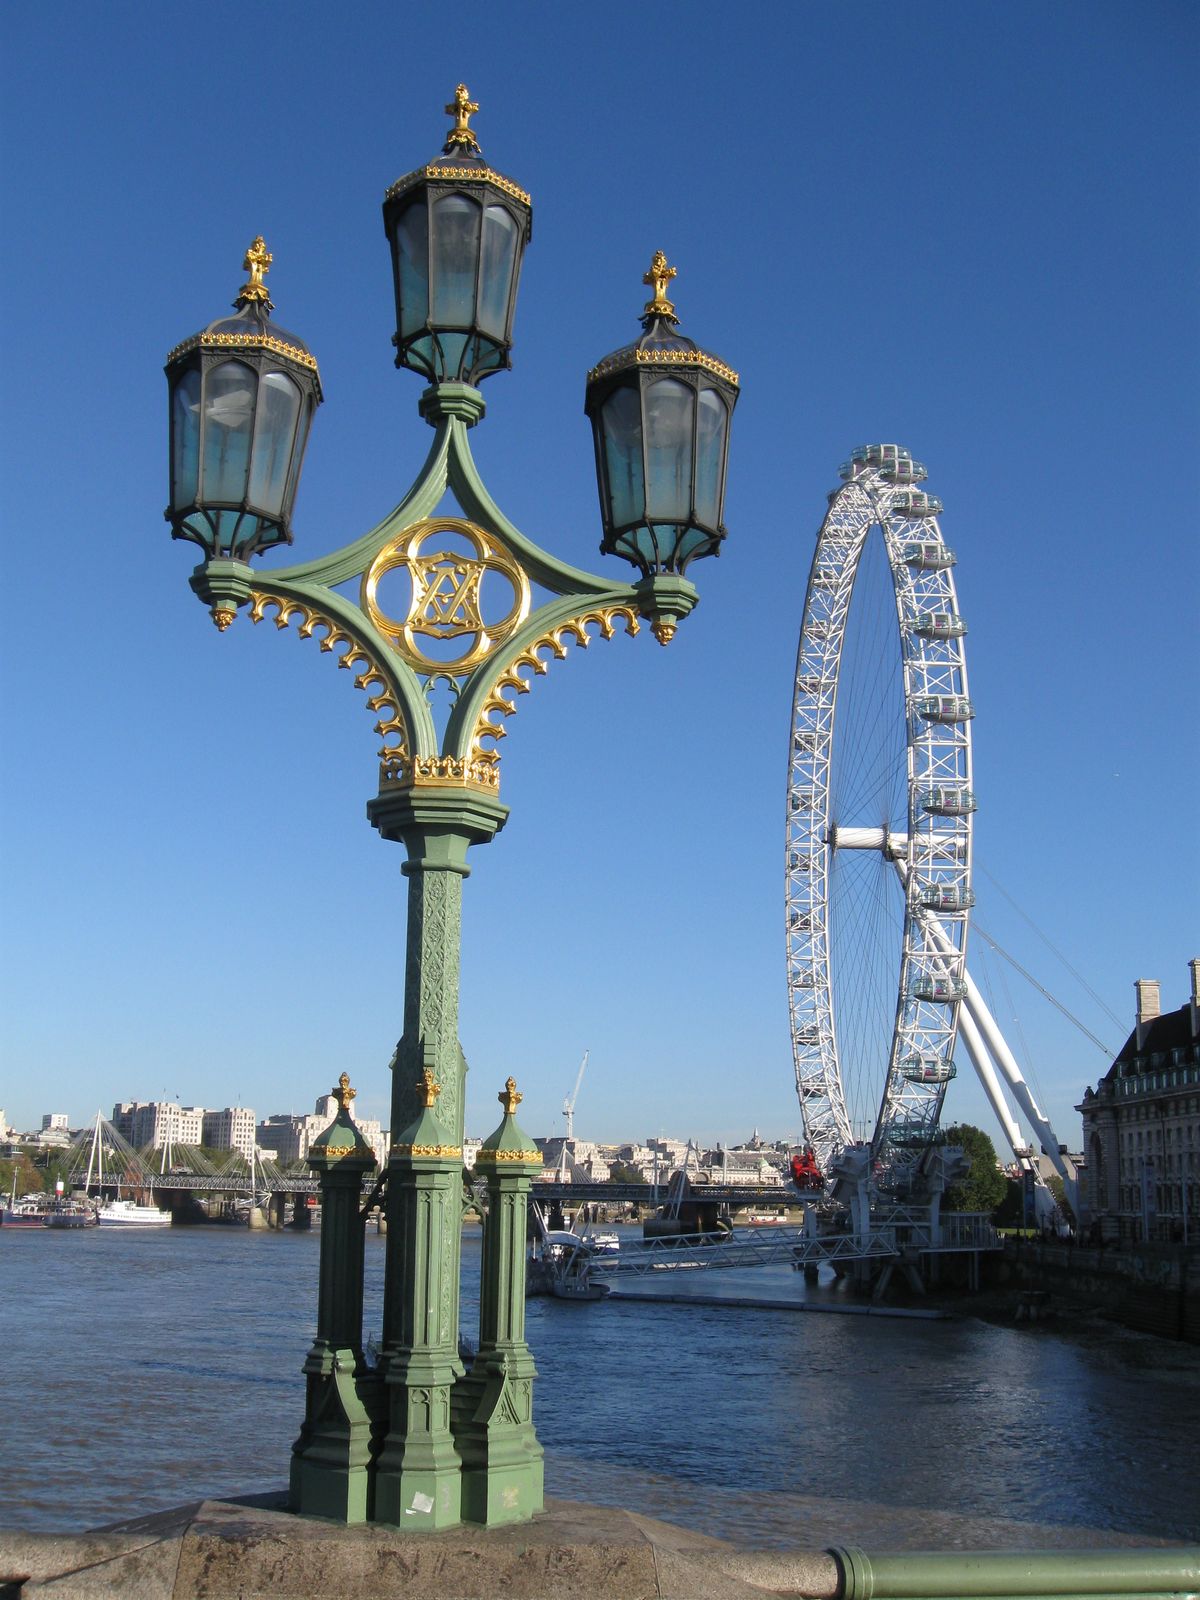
(795, 1246)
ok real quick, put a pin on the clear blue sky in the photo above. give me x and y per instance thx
(971, 229)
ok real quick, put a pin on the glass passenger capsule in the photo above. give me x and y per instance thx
(926, 1069)
(908, 1135)
(945, 896)
(948, 800)
(944, 708)
(915, 503)
(941, 991)
(938, 625)
(872, 455)
(928, 556)
(903, 470)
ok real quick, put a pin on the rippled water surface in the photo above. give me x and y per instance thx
(144, 1369)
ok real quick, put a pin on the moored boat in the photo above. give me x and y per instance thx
(127, 1213)
(62, 1213)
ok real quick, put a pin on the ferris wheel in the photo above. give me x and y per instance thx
(879, 822)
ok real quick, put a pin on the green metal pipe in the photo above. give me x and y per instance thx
(1019, 1574)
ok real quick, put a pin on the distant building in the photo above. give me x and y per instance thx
(154, 1124)
(289, 1138)
(575, 1160)
(1141, 1127)
(54, 1120)
(230, 1129)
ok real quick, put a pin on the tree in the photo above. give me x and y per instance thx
(984, 1186)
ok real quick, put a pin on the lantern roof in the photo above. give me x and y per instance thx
(251, 330)
(461, 160)
(661, 344)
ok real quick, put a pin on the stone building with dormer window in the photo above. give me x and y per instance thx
(1141, 1127)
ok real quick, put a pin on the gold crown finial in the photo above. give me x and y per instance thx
(257, 263)
(659, 277)
(508, 1096)
(343, 1093)
(428, 1088)
(462, 108)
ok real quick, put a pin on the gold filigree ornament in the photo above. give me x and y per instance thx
(343, 1093)
(447, 594)
(508, 1096)
(443, 1152)
(370, 676)
(554, 640)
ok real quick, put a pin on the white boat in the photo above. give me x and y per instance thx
(128, 1214)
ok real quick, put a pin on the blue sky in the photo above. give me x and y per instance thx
(968, 228)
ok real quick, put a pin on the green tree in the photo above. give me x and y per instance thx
(984, 1187)
(622, 1172)
(29, 1179)
(1055, 1186)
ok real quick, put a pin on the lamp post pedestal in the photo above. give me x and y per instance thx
(330, 1472)
(502, 1470)
(418, 1474)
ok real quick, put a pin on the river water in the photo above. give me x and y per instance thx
(147, 1368)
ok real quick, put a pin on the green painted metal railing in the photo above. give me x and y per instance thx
(1028, 1574)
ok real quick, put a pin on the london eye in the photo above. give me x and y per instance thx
(879, 824)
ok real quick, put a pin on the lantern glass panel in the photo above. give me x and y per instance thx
(228, 418)
(456, 221)
(306, 415)
(670, 408)
(496, 270)
(412, 248)
(185, 439)
(274, 432)
(711, 422)
(622, 416)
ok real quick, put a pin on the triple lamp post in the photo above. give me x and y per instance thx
(424, 1440)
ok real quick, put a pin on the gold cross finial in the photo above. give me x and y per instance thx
(508, 1096)
(428, 1088)
(659, 277)
(462, 108)
(257, 262)
(343, 1093)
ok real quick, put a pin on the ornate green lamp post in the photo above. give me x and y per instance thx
(469, 601)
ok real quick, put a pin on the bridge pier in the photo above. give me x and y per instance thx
(302, 1213)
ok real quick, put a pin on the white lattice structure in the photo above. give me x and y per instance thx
(926, 831)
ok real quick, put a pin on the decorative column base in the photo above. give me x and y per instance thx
(330, 1460)
(502, 1468)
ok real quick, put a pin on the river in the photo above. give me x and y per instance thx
(147, 1368)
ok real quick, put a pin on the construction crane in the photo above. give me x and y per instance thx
(569, 1105)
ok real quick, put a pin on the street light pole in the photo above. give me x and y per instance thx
(242, 396)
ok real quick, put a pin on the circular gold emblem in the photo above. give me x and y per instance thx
(447, 593)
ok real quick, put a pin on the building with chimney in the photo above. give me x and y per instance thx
(1141, 1127)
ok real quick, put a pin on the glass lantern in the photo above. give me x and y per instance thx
(457, 232)
(242, 397)
(660, 412)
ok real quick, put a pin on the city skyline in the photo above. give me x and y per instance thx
(962, 232)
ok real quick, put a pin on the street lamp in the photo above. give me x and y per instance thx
(468, 601)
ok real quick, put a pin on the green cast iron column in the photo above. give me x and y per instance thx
(502, 1469)
(418, 1473)
(417, 1476)
(330, 1459)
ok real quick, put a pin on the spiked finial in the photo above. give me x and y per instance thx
(462, 108)
(343, 1093)
(659, 275)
